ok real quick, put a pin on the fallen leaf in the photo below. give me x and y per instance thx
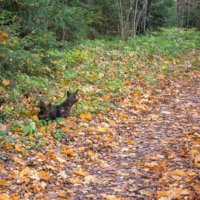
(102, 129)
(3, 183)
(89, 179)
(3, 127)
(74, 180)
(63, 174)
(4, 197)
(161, 194)
(85, 116)
(154, 117)
(61, 160)
(5, 82)
(79, 172)
(197, 160)
(18, 147)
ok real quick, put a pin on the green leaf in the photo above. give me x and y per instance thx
(57, 135)
(32, 124)
(27, 129)
(10, 140)
(84, 124)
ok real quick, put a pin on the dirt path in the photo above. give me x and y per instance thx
(152, 149)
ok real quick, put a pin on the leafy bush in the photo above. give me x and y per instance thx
(22, 55)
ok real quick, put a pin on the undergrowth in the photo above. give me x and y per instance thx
(105, 70)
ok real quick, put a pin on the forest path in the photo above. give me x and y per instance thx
(152, 146)
(146, 148)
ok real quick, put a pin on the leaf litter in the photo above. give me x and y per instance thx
(147, 147)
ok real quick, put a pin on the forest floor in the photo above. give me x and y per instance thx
(146, 145)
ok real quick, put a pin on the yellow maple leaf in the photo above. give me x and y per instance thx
(34, 117)
(102, 129)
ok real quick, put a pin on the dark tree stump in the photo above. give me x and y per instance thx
(49, 112)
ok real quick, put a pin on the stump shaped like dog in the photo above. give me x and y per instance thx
(49, 112)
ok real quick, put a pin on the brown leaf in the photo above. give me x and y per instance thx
(193, 196)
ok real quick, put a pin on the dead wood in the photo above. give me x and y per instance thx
(49, 112)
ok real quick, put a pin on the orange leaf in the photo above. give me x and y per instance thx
(127, 83)
(34, 117)
(3, 183)
(161, 194)
(197, 160)
(5, 82)
(3, 38)
(15, 196)
(85, 116)
(74, 180)
(151, 165)
(114, 144)
(70, 152)
(79, 172)
(9, 145)
(18, 147)
(4, 197)
(154, 117)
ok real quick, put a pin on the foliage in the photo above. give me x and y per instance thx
(137, 112)
(21, 56)
(161, 14)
